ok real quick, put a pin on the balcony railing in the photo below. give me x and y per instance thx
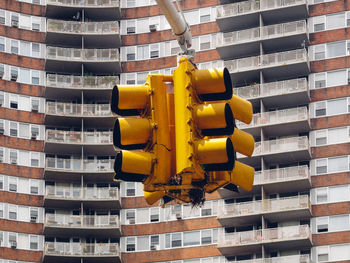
(78, 110)
(90, 3)
(81, 249)
(280, 145)
(87, 82)
(83, 221)
(269, 60)
(265, 206)
(244, 7)
(266, 32)
(88, 55)
(62, 26)
(272, 88)
(276, 117)
(77, 137)
(86, 193)
(79, 165)
(264, 236)
(287, 259)
(281, 175)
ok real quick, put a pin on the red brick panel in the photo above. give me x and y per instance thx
(330, 122)
(171, 226)
(22, 116)
(329, 36)
(23, 171)
(328, 8)
(23, 89)
(331, 238)
(21, 199)
(330, 179)
(171, 254)
(21, 7)
(154, 10)
(330, 150)
(23, 227)
(330, 64)
(330, 93)
(20, 254)
(22, 144)
(331, 209)
(21, 61)
(22, 34)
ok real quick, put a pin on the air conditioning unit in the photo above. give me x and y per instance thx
(14, 23)
(130, 221)
(130, 30)
(34, 136)
(14, 77)
(153, 28)
(13, 161)
(13, 244)
(33, 219)
(154, 247)
(2, 131)
(35, 108)
(178, 216)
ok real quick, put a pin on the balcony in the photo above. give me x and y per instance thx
(97, 9)
(66, 168)
(282, 180)
(278, 123)
(280, 238)
(101, 34)
(288, 150)
(70, 59)
(247, 42)
(281, 93)
(57, 86)
(97, 225)
(274, 210)
(286, 259)
(59, 141)
(67, 113)
(245, 14)
(89, 252)
(286, 64)
(72, 196)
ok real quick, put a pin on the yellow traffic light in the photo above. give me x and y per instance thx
(206, 135)
(146, 132)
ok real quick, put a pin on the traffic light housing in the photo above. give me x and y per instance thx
(142, 139)
(207, 138)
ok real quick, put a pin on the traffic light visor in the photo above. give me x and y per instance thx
(133, 166)
(243, 176)
(129, 100)
(243, 142)
(242, 109)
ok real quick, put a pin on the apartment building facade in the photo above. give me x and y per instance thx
(59, 61)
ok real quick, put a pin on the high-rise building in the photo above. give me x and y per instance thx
(59, 60)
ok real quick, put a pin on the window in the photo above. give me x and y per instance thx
(338, 193)
(36, 23)
(14, 73)
(319, 27)
(142, 52)
(14, 46)
(12, 212)
(337, 106)
(34, 132)
(321, 195)
(130, 217)
(320, 80)
(337, 49)
(206, 237)
(130, 189)
(206, 209)
(13, 156)
(335, 21)
(321, 166)
(34, 214)
(338, 223)
(320, 108)
(322, 254)
(1, 182)
(141, 77)
(1, 211)
(35, 104)
(176, 240)
(191, 238)
(130, 3)
(25, 48)
(204, 15)
(34, 160)
(204, 42)
(130, 27)
(13, 129)
(34, 242)
(14, 20)
(34, 187)
(25, 75)
(130, 53)
(35, 50)
(154, 215)
(321, 137)
(1, 99)
(13, 185)
(23, 130)
(2, 17)
(154, 51)
(130, 79)
(130, 244)
(154, 242)
(320, 52)
(336, 78)
(35, 77)
(2, 44)
(12, 238)
(322, 224)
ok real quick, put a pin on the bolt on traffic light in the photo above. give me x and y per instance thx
(143, 138)
(206, 136)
